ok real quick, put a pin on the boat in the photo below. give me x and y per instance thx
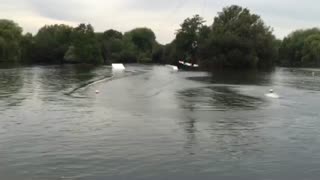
(187, 65)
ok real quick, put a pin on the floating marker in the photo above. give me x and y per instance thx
(118, 67)
(273, 95)
(97, 91)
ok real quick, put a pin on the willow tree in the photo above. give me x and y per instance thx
(10, 37)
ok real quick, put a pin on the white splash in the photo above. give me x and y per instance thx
(174, 68)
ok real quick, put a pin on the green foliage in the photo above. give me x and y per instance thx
(129, 52)
(143, 38)
(300, 48)
(86, 47)
(236, 39)
(239, 39)
(132, 47)
(138, 45)
(27, 48)
(192, 32)
(311, 51)
(112, 34)
(170, 55)
(51, 43)
(111, 45)
(158, 53)
(10, 37)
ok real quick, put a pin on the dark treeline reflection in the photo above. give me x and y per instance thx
(48, 83)
(237, 77)
(11, 83)
(236, 135)
(218, 99)
(57, 78)
(68, 79)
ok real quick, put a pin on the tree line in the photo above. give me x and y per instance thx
(236, 39)
(64, 44)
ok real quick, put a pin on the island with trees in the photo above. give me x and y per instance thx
(236, 39)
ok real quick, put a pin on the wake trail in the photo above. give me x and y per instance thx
(103, 79)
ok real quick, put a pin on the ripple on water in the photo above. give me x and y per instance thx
(165, 126)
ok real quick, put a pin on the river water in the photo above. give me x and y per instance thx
(152, 123)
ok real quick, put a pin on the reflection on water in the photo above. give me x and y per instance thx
(236, 77)
(307, 79)
(71, 77)
(218, 98)
(234, 135)
(11, 82)
(151, 123)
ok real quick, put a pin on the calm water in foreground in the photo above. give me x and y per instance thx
(151, 123)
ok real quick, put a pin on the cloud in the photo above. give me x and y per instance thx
(163, 16)
(57, 9)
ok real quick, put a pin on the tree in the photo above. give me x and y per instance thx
(129, 52)
(112, 34)
(10, 37)
(191, 33)
(51, 43)
(138, 44)
(299, 48)
(85, 45)
(111, 45)
(158, 53)
(27, 48)
(142, 38)
(239, 39)
(311, 51)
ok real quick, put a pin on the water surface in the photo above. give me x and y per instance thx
(151, 123)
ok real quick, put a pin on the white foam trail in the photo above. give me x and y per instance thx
(273, 95)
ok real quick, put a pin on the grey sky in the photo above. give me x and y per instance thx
(163, 16)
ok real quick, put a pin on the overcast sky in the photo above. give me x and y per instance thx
(163, 16)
